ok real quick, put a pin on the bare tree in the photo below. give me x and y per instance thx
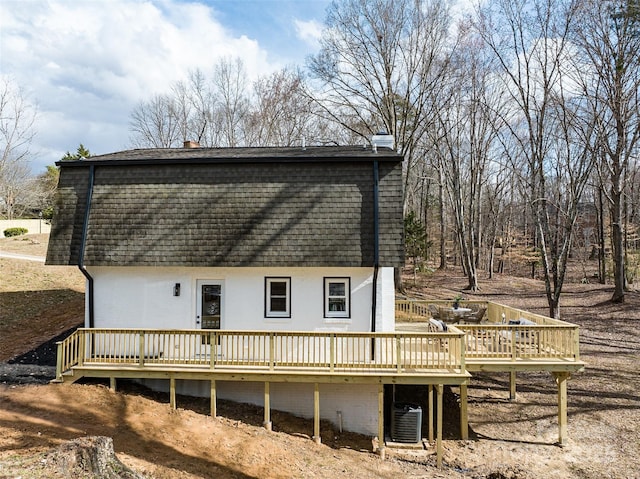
(282, 114)
(17, 130)
(494, 200)
(530, 40)
(212, 112)
(230, 87)
(155, 123)
(609, 40)
(379, 61)
(464, 141)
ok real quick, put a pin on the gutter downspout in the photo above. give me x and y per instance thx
(85, 227)
(376, 251)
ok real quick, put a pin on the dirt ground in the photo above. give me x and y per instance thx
(508, 439)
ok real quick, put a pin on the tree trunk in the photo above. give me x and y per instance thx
(617, 237)
(443, 229)
(602, 265)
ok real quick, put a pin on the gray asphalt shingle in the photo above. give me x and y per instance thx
(230, 207)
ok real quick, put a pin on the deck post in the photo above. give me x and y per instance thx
(82, 348)
(561, 380)
(59, 360)
(316, 413)
(440, 389)
(272, 352)
(172, 393)
(381, 450)
(214, 398)
(213, 343)
(112, 384)
(512, 386)
(430, 408)
(141, 350)
(464, 418)
(267, 407)
(332, 352)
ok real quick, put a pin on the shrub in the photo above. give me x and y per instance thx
(9, 232)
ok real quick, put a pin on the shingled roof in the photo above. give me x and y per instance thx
(229, 207)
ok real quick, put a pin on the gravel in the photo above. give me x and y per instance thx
(37, 366)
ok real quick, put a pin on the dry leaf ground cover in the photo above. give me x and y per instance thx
(508, 439)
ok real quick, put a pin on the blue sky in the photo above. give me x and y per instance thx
(87, 63)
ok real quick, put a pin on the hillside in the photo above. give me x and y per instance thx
(508, 440)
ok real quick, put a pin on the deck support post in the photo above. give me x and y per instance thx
(561, 380)
(59, 353)
(112, 384)
(464, 417)
(267, 407)
(512, 386)
(172, 393)
(440, 389)
(316, 413)
(430, 412)
(381, 451)
(214, 399)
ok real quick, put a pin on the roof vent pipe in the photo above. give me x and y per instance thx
(382, 139)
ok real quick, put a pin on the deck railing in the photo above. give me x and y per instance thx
(495, 338)
(516, 342)
(397, 353)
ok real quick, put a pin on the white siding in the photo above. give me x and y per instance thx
(357, 403)
(143, 297)
(386, 311)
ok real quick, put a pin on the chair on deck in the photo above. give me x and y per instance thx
(436, 326)
(474, 317)
(447, 315)
(434, 311)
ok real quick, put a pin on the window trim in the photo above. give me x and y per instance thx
(325, 295)
(267, 297)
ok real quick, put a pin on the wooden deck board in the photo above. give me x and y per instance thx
(439, 376)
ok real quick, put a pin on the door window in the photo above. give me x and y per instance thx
(209, 307)
(211, 302)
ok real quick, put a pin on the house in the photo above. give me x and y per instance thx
(268, 239)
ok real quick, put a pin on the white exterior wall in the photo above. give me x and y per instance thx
(358, 404)
(126, 297)
(386, 310)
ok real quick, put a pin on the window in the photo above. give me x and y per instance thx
(277, 297)
(337, 294)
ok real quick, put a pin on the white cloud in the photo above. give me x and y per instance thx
(87, 63)
(309, 32)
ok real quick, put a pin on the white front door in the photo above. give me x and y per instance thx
(209, 304)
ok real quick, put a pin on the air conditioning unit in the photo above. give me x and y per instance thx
(406, 423)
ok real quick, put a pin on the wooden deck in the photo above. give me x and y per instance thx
(429, 358)
(414, 354)
(424, 357)
(493, 344)
(496, 345)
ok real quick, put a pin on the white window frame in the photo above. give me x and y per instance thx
(346, 314)
(268, 313)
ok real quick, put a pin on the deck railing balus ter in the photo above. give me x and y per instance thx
(496, 339)
(325, 352)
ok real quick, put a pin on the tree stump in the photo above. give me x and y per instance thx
(90, 458)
